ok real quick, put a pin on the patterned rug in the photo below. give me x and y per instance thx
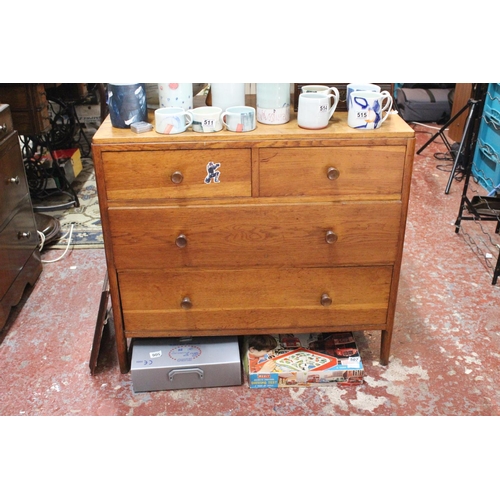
(86, 219)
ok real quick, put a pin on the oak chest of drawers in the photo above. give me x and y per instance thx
(278, 230)
(20, 262)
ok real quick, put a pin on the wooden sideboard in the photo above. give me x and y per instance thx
(20, 261)
(301, 231)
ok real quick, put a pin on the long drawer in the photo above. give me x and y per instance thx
(187, 299)
(314, 234)
(136, 175)
(327, 171)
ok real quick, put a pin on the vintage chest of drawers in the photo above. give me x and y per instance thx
(278, 230)
(20, 262)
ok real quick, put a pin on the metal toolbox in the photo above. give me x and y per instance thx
(185, 363)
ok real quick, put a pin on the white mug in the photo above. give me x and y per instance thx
(321, 89)
(366, 109)
(360, 86)
(206, 119)
(226, 95)
(315, 109)
(175, 95)
(172, 120)
(239, 118)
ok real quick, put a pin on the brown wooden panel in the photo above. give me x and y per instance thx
(254, 298)
(258, 235)
(463, 92)
(17, 241)
(303, 171)
(13, 185)
(141, 175)
(28, 276)
(29, 106)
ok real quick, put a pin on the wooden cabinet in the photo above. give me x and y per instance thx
(28, 106)
(20, 262)
(295, 231)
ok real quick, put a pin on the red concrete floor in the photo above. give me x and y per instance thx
(445, 351)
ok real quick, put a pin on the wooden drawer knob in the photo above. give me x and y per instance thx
(181, 241)
(331, 237)
(24, 235)
(177, 177)
(186, 303)
(332, 173)
(326, 300)
(13, 180)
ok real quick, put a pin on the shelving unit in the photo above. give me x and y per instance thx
(486, 161)
(485, 169)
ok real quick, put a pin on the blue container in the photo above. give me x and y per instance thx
(489, 131)
(486, 165)
(493, 95)
(486, 160)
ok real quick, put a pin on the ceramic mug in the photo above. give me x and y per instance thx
(172, 120)
(315, 109)
(320, 89)
(366, 109)
(206, 119)
(175, 95)
(239, 118)
(370, 87)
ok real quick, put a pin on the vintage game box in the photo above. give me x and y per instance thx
(307, 360)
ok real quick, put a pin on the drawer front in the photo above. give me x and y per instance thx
(187, 299)
(331, 171)
(13, 186)
(6, 125)
(18, 239)
(315, 234)
(139, 175)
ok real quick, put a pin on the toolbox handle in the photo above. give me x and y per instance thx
(493, 118)
(489, 152)
(180, 371)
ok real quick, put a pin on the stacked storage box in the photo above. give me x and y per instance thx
(486, 160)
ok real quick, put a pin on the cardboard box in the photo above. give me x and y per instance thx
(185, 363)
(71, 164)
(74, 157)
(308, 360)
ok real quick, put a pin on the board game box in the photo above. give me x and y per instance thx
(307, 360)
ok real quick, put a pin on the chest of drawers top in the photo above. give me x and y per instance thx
(393, 128)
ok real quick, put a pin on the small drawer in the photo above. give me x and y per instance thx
(313, 234)
(13, 185)
(18, 239)
(242, 299)
(328, 171)
(6, 125)
(136, 175)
